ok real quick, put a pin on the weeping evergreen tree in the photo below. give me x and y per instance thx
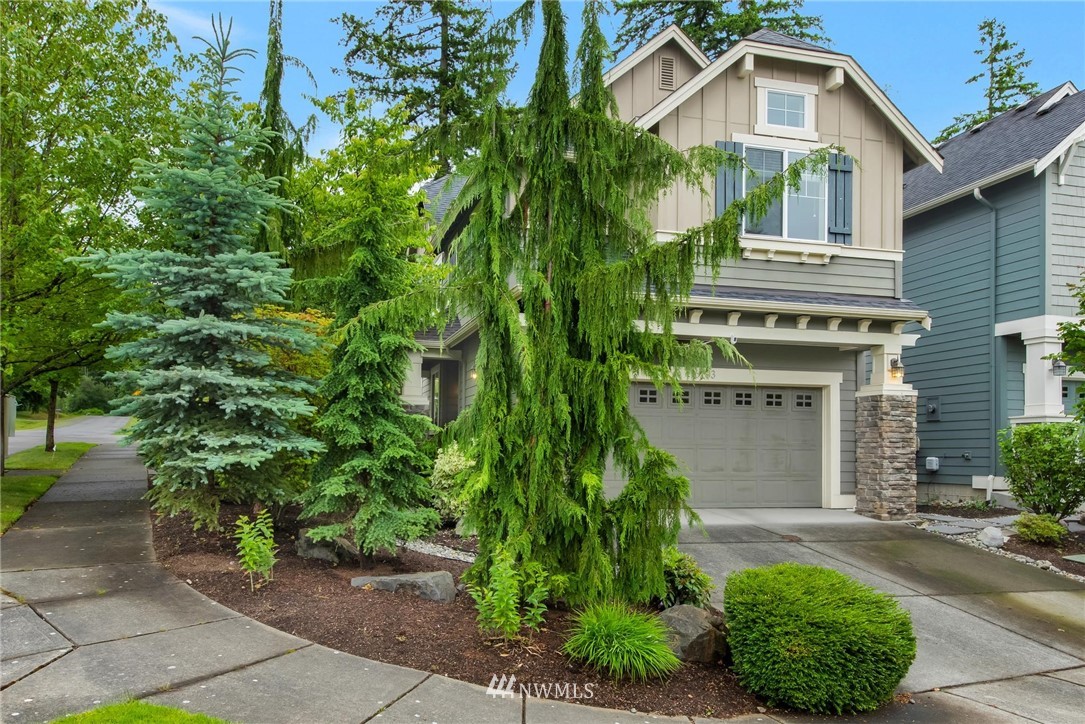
(213, 413)
(367, 486)
(594, 306)
(284, 149)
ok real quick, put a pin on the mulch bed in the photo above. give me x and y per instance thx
(314, 600)
(447, 537)
(1074, 544)
(962, 511)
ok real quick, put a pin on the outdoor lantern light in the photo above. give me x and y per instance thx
(1058, 368)
(896, 368)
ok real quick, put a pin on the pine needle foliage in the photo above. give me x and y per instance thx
(559, 198)
(368, 484)
(213, 412)
(715, 25)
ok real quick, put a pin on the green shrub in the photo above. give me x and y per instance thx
(814, 639)
(1045, 466)
(515, 598)
(91, 394)
(686, 582)
(447, 482)
(256, 546)
(621, 642)
(1043, 529)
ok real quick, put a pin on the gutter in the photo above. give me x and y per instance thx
(971, 189)
(992, 386)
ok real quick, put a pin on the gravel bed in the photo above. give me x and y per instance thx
(433, 549)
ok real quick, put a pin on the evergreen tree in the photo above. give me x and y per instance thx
(213, 414)
(598, 296)
(285, 147)
(441, 60)
(715, 25)
(367, 485)
(1004, 73)
(1073, 342)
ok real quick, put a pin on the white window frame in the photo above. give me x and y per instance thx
(769, 144)
(809, 93)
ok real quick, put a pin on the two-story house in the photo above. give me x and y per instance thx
(992, 245)
(815, 303)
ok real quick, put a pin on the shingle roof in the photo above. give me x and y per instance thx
(440, 193)
(764, 35)
(817, 299)
(1004, 142)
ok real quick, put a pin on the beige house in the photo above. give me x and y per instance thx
(825, 418)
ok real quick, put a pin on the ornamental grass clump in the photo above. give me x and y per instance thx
(621, 642)
(811, 638)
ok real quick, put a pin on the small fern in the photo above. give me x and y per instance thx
(256, 547)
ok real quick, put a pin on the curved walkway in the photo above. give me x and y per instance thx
(95, 620)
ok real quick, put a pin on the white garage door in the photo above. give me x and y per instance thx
(739, 446)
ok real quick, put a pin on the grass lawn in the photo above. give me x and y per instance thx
(37, 459)
(137, 712)
(17, 492)
(37, 420)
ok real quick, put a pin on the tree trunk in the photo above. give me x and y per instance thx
(51, 421)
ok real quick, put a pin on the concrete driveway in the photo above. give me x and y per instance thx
(994, 632)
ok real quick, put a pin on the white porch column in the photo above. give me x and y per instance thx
(1043, 390)
(884, 379)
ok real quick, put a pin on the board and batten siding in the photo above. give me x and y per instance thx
(1065, 235)
(728, 105)
(947, 271)
(637, 90)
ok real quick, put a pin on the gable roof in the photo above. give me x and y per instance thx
(672, 32)
(775, 45)
(764, 35)
(1027, 138)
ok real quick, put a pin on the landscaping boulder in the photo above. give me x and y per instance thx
(992, 537)
(434, 586)
(320, 550)
(693, 637)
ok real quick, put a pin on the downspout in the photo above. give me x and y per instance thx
(992, 386)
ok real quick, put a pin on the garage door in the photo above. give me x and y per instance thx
(739, 446)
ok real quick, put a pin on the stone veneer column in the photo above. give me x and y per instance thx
(885, 452)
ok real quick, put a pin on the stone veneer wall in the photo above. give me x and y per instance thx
(885, 450)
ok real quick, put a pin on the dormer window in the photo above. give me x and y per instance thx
(786, 109)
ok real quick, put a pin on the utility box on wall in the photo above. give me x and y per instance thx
(933, 407)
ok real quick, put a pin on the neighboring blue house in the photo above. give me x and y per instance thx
(991, 246)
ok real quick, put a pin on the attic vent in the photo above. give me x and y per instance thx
(666, 73)
(977, 128)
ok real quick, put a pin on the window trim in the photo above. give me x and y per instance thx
(809, 92)
(761, 144)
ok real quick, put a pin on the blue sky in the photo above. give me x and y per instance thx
(919, 52)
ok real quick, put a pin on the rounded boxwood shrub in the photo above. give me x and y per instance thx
(621, 642)
(1042, 529)
(811, 638)
(1045, 466)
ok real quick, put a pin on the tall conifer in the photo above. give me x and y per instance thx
(559, 199)
(212, 412)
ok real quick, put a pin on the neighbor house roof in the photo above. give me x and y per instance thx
(771, 44)
(1027, 138)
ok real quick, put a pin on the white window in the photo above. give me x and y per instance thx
(786, 109)
(804, 211)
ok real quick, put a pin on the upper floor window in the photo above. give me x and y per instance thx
(802, 215)
(786, 109)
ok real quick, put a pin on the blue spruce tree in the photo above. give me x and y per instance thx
(213, 413)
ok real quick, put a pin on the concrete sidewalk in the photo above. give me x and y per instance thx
(94, 619)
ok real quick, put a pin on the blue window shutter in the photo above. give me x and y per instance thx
(841, 172)
(728, 180)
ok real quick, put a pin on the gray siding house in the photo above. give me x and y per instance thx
(824, 418)
(992, 244)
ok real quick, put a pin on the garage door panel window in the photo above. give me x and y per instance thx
(647, 396)
(774, 400)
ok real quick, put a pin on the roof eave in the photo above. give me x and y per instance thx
(671, 32)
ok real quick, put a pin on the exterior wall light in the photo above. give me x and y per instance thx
(896, 368)
(1058, 368)
(473, 374)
